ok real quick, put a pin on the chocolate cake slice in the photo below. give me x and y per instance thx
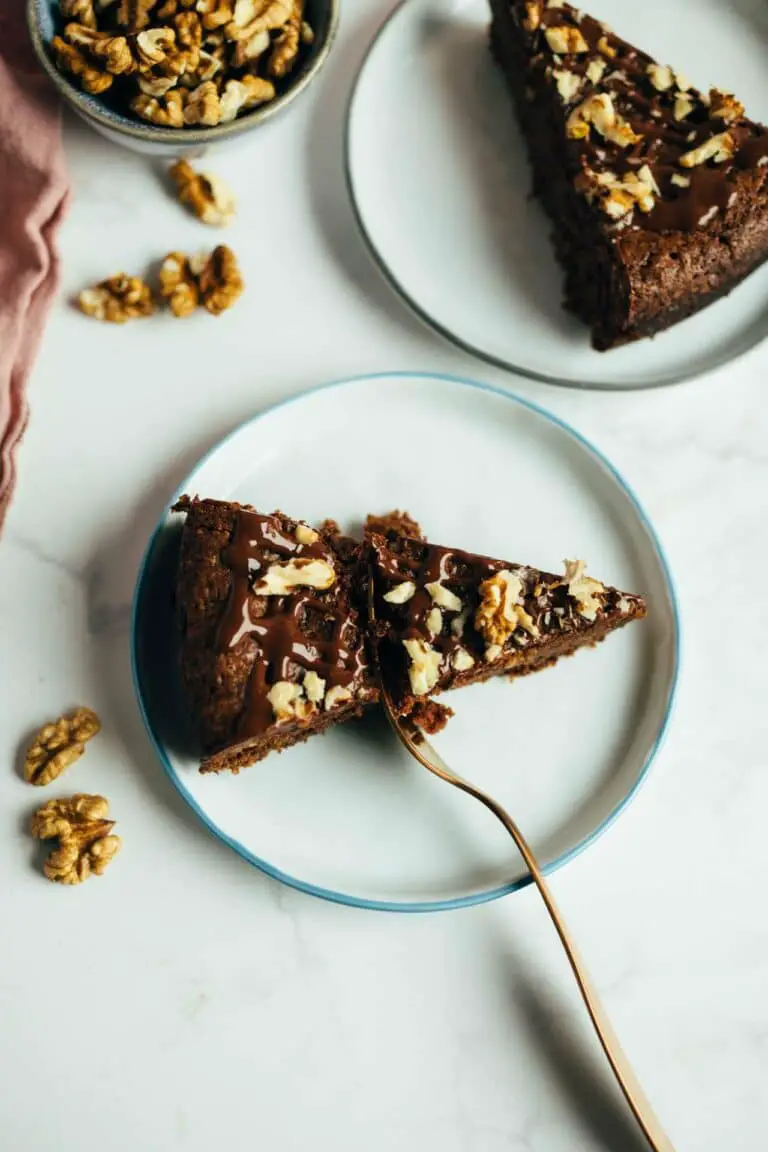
(658, 193)
(273, 648)
(446, 618)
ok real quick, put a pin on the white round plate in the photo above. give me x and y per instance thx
(441, 186)
(348, 815)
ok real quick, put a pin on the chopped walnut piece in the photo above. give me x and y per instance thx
(100, 46)
(153, 85)
(271, 16)
(661, 76)
(683, 106)
(117, 299)
(568, 84)
(206, 195)
(134, 14)
(153, 45)
(178, 285)
(424, 668)
(401, 593)
(564, 39)
(724, 106)
(306, 535)
(165, 111)
(285, 49)
(288, 702)
(239, 95)
(336, 695)
(718, 148)
(58, 745)
(202, 105)
(595, 70)
(585, 591)
(220, 281)
(680, 180)
(189, 30)
(434, 621)
(618, 196)
(86, 843)
(246, 51)
(500, 611)
(462, 660)
(70, 60)
(599, 110)
(283, 579)
(443, 596)
(646, 176)
(214, 13)
(79, 10)
(314, 687)
(532, 18)
(605, 48)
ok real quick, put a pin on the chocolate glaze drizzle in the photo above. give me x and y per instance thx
(280, 632)
(651, 114)
(545, 597)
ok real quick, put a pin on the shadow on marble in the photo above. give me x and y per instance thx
(330, 200)
(570, 1053)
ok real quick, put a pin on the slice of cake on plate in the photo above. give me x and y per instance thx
(273, 646)
(658, 193)
(446, 618)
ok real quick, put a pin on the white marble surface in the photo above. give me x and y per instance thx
(184, 1001)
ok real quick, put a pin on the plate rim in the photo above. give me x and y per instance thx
(435, 325)
(410, 906)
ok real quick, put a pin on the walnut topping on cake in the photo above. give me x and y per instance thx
(462, 660)
(568, 84)
(424, 669)
(401, 593)
(718, 148)
(724, 106)
(599, 111)
(585, 591)
(500, 611)
(564, 40)
(443, 596)
(616, 195)
(283, 579)
(661, 76)
(595, 70)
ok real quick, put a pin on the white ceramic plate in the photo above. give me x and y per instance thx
(440, 182)
(348, 815)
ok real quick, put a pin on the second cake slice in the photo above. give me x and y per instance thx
(446, 618)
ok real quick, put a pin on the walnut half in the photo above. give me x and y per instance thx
(117, 299)
(58, 745)
(86, 844)
(207, 196)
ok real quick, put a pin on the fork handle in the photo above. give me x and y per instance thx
(622, 1070)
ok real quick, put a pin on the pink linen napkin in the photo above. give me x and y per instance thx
(33, 197)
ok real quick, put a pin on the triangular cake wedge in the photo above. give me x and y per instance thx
(273, 619)
(658, 192)
(446, 618)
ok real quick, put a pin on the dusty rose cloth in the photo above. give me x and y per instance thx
(33, 196)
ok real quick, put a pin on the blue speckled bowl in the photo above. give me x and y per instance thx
(124, 128)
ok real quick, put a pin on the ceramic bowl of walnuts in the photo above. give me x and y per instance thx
(170, 76)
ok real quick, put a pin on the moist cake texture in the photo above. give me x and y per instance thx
(658, 193)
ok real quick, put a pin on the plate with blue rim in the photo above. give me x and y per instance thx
(347, 815)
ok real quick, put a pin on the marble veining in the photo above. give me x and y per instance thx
(211, 1007)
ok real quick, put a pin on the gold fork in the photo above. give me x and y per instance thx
(628, 1083)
